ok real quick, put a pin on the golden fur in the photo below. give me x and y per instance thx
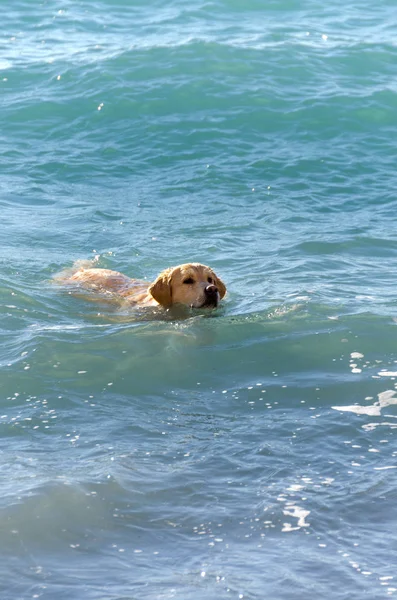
(191, 284)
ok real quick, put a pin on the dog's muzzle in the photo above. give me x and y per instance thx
(211, 296)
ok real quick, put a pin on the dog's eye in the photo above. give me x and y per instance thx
(188, 280)
(210, 280)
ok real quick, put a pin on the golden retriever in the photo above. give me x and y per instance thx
(191, 284)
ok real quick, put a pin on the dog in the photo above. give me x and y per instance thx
(192, 284)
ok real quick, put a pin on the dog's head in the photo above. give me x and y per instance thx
(191, 284)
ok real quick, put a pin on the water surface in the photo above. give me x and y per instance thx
(249, 452)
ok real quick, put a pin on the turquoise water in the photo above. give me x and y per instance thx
(249, 453)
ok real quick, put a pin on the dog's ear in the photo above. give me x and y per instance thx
(161, 288)
(220, 285)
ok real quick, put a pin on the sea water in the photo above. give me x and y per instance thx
(248, 452)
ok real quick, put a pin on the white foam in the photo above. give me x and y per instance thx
(298, 513)
(386, 398)
(388, 373)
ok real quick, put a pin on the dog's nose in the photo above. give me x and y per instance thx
(211, 290)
